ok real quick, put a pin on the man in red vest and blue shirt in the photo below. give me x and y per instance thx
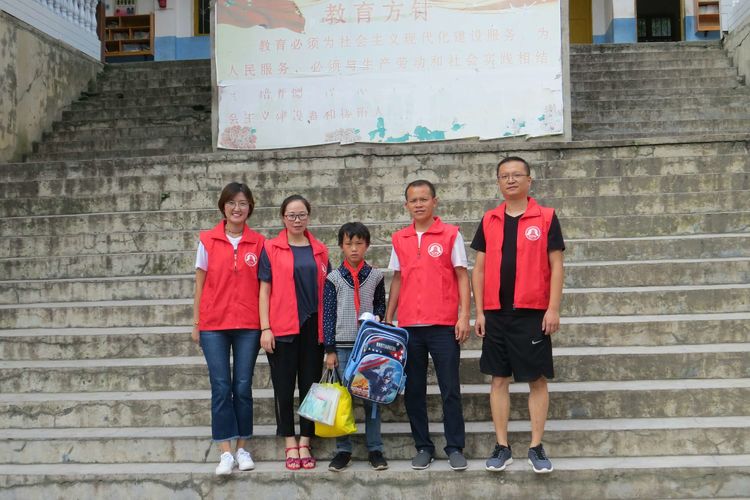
(517, 281)
(431, 290)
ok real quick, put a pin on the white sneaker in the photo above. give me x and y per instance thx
(225, 465)
(244, 460)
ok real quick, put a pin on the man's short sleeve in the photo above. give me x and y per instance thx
(479, 243)
(394, 264)
(458, 254)
(555, 239)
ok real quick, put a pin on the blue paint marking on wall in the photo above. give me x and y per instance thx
(171, 48)
(620, 30)
(692, 35)
(600, 39)
(624, 30)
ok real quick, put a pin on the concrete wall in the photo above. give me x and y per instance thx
(614, 21)
(39, 76)
(174, 27)
(690, 23)
(737, 43)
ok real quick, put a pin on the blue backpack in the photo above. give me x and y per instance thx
(375, 370)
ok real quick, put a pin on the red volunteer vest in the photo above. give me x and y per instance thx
(429, 287)
(532, 261)
(283, 307)
(230, 293)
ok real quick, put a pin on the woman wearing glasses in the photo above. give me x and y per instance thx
(226, 318)
(292, 272)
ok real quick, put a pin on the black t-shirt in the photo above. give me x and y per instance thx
(555, 241)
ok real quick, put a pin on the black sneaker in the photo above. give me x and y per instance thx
(341, 461)
(377, 460)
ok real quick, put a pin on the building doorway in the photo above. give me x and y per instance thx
(659, 20)
(580, 21)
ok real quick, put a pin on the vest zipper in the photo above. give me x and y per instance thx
(235, 260)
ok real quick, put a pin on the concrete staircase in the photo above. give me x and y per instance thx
(103, 394)
(656, 90)
(136, 109)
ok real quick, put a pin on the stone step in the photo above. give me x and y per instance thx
(657, 116)
(686, 225)
(161, 117)
(122, 153)
(669, 105)
(80, 277)
(653, 300)
(466, 214)
(113, 73)
(92, 103)
(704, 103)
(107, 147)
(648, 159)
(405, 156)
(137, 66)
(151, 92)
(740, 92)
(80, 117)
(165, 81)
(562, 439)
(473, 181)
(702, 62)
(646, 47)
(599, 477)
(590, 399)
(662, 128)
(713, 361)
(192, 128)
(706, 83)
(171, 341)
(699, 246)
(662, 72)
(482, 193)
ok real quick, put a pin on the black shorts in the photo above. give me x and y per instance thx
(514, 344)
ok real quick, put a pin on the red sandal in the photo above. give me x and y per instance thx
(292, 463)
(307, 462)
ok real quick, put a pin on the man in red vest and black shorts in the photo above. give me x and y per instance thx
(517, 281)
(430, 288)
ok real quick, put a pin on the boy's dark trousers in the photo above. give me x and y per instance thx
(440, 342)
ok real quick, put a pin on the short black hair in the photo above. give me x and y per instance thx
(295, 197)
(230, 191)
(509, 159)
(352, 229)
(418, 183)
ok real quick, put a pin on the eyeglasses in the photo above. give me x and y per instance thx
(507, 177)
(293, 217)
(242, 204)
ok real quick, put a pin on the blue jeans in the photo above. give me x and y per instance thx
(440, 342)
(372, 425)
(231, 390)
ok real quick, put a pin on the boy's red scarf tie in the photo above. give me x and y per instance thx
(355, 279)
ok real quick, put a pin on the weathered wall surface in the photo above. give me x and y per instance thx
(39, 76)
(737, 44)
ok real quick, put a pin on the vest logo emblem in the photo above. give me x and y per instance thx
(533, 233)
(435, 250)
(251, 259)
(323, 269)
